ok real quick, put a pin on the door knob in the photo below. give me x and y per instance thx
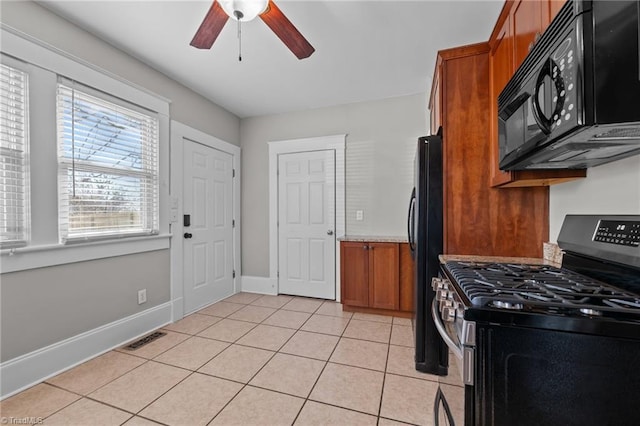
(329, 232)
(188, 235)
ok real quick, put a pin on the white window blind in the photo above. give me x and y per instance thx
(108, 166)
(13, 159)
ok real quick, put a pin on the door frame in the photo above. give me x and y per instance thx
(179, 132)
(333, 142)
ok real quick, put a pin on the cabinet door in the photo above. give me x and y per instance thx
(519, 27)
(354, 267)
(528, 21)
(407, 278)
(501, 72)
(435, 103)
(554, 8)
(384, 289)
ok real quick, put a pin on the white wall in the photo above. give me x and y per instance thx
(381, 143)
(612, 188)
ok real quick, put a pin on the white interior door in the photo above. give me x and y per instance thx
(208, 241)
(306, 224)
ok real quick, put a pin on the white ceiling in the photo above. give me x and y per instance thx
(365, 50)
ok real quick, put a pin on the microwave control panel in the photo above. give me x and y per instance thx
(565, 63)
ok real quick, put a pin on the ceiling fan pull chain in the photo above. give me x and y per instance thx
(239, 15)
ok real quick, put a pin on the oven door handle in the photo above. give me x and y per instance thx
(457, 351)
(441, 401)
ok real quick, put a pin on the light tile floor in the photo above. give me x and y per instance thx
(248, 360)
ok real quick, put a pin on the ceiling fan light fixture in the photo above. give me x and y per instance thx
(243, 10)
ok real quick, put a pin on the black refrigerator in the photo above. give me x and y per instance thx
(425, 239)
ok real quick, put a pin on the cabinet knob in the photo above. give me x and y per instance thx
(365, 247)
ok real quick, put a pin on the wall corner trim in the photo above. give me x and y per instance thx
(30, 369)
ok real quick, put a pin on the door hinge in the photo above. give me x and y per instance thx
(233, 174)
(278, 274)
(234, 274)
(233, 223)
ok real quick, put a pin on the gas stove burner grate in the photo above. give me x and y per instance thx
(521, 286)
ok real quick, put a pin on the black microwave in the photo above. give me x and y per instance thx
(574, 102)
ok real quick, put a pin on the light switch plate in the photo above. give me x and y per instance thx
(174, 202)
(359, 215)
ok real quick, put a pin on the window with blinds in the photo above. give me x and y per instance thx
(108, 166)
(13, 157)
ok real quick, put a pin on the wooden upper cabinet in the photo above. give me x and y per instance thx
(554, 8)
(501, 69)
(435, 103)
(477, 218)
(519, 25)
(528, 18)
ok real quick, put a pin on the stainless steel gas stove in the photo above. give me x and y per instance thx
(538, 344)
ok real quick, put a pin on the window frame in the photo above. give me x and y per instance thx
(44, 63)
(149, 172)
(26, 217)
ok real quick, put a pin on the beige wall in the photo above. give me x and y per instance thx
(46, 305)
(612, 188)
(381, 142)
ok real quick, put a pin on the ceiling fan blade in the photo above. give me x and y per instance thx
(284, 29)
(210, 27)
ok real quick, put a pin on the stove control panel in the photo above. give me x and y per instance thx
(447, 300)
(624, 233)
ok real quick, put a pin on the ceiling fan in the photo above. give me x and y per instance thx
(246, 10)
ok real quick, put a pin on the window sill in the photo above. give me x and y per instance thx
(32, 257)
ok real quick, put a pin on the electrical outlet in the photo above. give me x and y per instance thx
(142, 296)
(359, 214)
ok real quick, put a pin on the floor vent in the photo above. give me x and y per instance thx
(147, 339)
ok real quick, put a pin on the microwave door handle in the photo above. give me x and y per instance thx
(549, 69)
(543, 121)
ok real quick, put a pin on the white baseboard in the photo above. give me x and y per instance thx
(27, 370)
(262, 285)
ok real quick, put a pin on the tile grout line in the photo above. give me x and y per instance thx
(384, 375)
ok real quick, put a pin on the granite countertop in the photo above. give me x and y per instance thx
(496, 259)
(373, 239)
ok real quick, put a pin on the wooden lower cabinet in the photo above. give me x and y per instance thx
(376, 275)
(384, 275)
(519, 25)
(354, 273)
